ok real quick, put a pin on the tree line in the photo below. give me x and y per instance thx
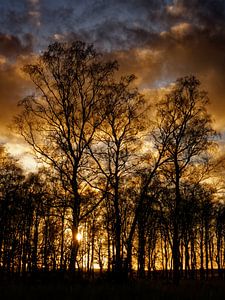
(126, 181)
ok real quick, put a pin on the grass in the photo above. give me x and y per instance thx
(154, 290)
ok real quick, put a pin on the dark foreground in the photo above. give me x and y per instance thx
(155, 290)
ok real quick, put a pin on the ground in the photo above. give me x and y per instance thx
(154, 290)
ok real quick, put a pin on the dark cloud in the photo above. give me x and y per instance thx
(12, 88)
(206, 12)
(11, 45)
(158, 40)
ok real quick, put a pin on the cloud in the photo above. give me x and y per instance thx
(14, 53)
(34, 2)
(175, 9)
(182, 30)
(34, 13)
(156, 40)
(14, 85)
(11, 45)
(182, 51)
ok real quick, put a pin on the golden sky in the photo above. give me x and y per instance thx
(157, 40)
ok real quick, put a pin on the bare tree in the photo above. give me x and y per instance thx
(116, 152)
(184, 122)
(60, 119)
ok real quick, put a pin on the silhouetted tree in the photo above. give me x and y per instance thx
(117, 141)
(60, 119)
(220, 235)
(11, 213)
(185, 124)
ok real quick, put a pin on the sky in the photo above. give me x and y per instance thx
(157, 40)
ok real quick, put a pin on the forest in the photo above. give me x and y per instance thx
(129, 186)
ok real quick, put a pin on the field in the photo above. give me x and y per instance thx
(154, 290)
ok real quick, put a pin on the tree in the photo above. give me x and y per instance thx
(220, 233)
(11, 181)
(116, 152)
(184, 123)
(60, 119)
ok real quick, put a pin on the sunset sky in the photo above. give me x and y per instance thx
(157, 40)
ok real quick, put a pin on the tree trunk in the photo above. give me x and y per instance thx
(62, 238)
(201, 254)
(74, 245)
(206, 249)
(75, 224)
(35, 243)
(176, 241)
(141, 249)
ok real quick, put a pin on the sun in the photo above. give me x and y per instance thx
(79, 237)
